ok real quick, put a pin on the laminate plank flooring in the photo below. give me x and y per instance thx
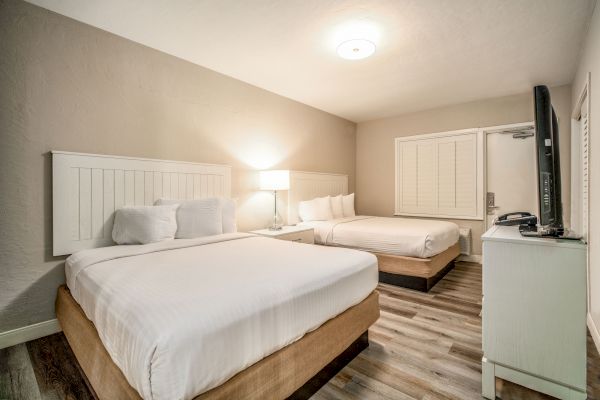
(425, 346)
(44, 369)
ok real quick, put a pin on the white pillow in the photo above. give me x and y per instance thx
(336, 207)
(348, 205)
(146, 224)
(228, 215)
(197, 218)
(318, 209)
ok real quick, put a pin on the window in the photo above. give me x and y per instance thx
(440, 175)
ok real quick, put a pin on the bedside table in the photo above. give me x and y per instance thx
(301, 234)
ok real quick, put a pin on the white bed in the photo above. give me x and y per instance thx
(210, 316)
(398, 236)
(413, 253)
(181, 317)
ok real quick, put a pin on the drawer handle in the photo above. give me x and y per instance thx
(297, 240)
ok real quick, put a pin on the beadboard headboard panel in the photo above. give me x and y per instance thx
(88, 188)
(308, 185)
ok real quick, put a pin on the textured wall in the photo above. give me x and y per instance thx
(67, 86)
(375, 146)
(590, 63)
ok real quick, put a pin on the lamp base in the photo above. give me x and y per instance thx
(275, 227)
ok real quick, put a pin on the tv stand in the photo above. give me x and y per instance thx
(534, 313)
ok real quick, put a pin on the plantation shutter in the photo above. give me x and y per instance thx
(438, 176)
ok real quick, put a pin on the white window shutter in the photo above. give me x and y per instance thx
(437, 175)
(426, 177)
(466, 175)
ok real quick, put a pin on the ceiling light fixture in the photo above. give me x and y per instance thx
(356, 49)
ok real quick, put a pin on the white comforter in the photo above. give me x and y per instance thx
(399, 236)
(183, 316)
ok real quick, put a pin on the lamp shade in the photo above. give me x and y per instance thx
(275, 180)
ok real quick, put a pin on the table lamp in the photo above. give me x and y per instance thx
(275, 180)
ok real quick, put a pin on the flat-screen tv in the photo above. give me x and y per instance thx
(548, 162)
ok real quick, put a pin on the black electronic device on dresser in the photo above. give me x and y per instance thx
(548, 163)
(516, 218)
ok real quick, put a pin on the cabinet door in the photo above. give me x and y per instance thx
(535, 310)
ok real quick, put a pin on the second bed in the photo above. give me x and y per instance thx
(413, 253)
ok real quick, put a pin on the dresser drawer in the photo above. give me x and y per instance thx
(301, 237)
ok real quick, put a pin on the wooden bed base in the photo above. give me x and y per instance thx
(416, 273)
(295, 372)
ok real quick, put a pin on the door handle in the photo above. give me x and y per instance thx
(490, 209)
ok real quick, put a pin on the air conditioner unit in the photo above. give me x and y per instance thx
(464, 239)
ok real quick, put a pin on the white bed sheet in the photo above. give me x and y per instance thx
(408, 237)
(183, 316)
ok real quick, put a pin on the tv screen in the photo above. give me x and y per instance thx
(548, 161)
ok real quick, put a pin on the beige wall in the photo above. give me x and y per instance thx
(590, 63)
(67, 86)
(375, 145)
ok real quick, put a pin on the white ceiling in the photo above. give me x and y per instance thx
(429, 52)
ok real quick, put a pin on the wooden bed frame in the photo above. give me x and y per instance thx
(295, 372)
(416, 273)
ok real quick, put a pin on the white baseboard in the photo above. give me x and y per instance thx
(475, 258)
(30, 332)
(593, 331)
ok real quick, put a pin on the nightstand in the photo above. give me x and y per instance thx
(301, 234)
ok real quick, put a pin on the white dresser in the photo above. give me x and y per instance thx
(534, 313)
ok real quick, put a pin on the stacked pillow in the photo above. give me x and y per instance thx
(327, 208)
(204, 217)
(174, 219)
(147, 224)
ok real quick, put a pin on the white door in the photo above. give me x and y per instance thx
(511, 173)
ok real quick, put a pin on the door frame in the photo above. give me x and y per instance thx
(495, 129)
(584, 94)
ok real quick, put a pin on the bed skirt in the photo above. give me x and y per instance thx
(416, 273)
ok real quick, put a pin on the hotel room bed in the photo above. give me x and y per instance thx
(181, 318)
(396, 236)
(412, 253)
(225, 315)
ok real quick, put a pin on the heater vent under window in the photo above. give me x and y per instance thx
(464, 239)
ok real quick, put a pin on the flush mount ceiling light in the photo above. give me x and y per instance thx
(356, 49)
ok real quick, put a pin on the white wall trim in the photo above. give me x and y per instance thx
(475, 258)
(593, 331)
(583, 210)
(30, 332)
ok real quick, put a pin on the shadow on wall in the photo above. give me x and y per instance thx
(45, 278)
(36, 301)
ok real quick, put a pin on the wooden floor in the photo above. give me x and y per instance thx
(425, 346)
(428, 346)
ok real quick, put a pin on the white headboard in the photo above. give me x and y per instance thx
(88, 188)
(308, 185)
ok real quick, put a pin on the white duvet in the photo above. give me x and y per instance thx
(408, 237)
(181, 317)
